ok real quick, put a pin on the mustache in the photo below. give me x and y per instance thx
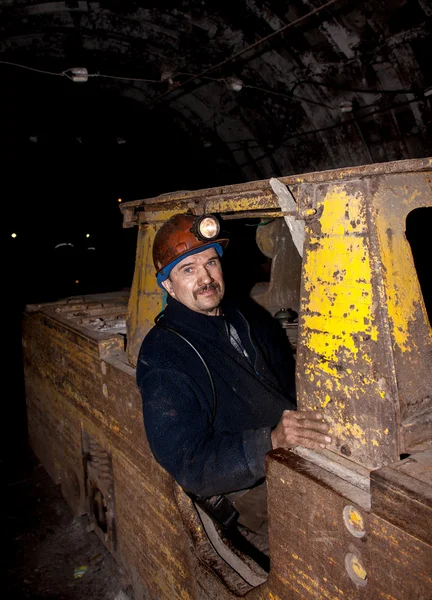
(206, 287)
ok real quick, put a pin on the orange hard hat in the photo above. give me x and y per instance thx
(181, 236)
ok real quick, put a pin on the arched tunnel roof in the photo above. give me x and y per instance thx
(323, 85)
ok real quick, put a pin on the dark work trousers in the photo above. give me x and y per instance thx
(253, 520)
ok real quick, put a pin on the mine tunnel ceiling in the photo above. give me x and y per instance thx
(324, 85)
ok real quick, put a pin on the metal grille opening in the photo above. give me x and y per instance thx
(99, 481)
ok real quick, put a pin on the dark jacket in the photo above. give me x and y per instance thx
(226, 454)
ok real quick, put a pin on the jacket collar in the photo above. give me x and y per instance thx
(180, 316)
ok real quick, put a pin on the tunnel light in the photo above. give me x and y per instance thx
(167, 76)
(346, 107)
(13, 235)
(79, 74)
(87, 235)
(119, 199)
(234, 83)
(76, 280)
(33, 139)
(63, 244)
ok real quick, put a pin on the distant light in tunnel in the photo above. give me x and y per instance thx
(79, 74)
(119, 199)
(33, 139)
(167, 76)
(346, 107)
(87, 235)
(63, 244)
(76, 280)
(13, 235)
(121, 141)
(234, 83)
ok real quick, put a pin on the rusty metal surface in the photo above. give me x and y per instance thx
(343, 357)
(105, 313)
(339, 550)
(410, 330)
(365, 344)
(402, 495)
(190, 199)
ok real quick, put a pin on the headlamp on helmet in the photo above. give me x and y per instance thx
(183, 235)
(206, 228)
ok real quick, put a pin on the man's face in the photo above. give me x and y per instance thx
(197, 282)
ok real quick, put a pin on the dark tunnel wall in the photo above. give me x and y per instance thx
(175, 100)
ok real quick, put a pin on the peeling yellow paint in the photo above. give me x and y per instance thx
(355, 518)
(336, 292)
(400, 277)
(340, 430)
(326, 401)
(312, 585)
(273, 596)
(358, 568)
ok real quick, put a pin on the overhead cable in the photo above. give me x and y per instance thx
(248, 48)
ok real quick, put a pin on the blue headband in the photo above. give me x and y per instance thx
(165, 272)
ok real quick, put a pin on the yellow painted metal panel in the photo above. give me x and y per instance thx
(342, 365)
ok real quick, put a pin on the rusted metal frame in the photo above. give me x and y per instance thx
(409, 325)
(77, 335)
(402, 494)
(315, 501)
(353, 473)
(88, 336)
(86, 404)
(378, 283)
(258, 214)
(101, 309)
(256, 195)
(107, 311)
(236, 202)
(333, 196)
(250, 205)
(182, 198)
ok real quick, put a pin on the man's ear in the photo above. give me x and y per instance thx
(168, 286)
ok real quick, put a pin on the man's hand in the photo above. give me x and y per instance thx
(301, 428)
